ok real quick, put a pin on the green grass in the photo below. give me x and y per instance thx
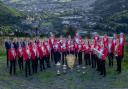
(72, 80)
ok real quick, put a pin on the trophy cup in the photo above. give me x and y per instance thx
(58, 66)
(64, 66)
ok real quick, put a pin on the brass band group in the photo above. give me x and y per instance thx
(32, 56)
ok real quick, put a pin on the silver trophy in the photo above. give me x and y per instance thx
(58, 66)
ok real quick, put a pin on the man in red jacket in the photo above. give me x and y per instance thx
(41, 59)
(118, 54)
(57, 50)
(12, 57)
(96, 37)
(34, 60)
(63, 48)
(94, 45)
(51, 41)
(27, 57)
(122, 42)
(102, 54)
(20, 57)
(87, 49)
(47, 53)
(105, 40)
(111, 49)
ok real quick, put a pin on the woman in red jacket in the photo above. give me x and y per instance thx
(12, 59)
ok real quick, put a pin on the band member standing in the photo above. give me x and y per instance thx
(27, 58)
(68, 44)
(7, 46)
(34, 60)
(118, 54)
(111, 48)
(122, 42)
(57, 49)
(105, 40)
(20, 57)
(87, 48)
(102, 56)
(48, 50)
(79, 51)
(41, 50)
(64, 48)
(96, 37)
(94, 56)
(51, 41)
(12, 58)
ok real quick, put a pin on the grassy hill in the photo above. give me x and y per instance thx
(113, 15)
(9, 19)
(8, 16)
(5, 10)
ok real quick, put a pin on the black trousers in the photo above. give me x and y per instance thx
(34, 65)
(42, 66)
(103, 68)
(87, 59)
(20, 62)
(57, 57)
(80, 58)
(46, 59)
(7, 58)
(52, 55)
(63, 55)
(27, 68)
(94, 60)
(98, 64)
(110, 58)
(123, 52)
(119, 60)
(12, 67)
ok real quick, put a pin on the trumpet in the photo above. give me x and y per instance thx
(99, 53)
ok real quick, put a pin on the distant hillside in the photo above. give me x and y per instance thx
(110, 7)
(113, 15)
(8, 15)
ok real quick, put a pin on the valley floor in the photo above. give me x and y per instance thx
(72, 80)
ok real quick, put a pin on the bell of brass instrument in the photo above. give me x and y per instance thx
(98, 53)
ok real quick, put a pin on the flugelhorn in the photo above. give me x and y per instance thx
(99, 53)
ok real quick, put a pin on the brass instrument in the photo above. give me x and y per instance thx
(98, 53)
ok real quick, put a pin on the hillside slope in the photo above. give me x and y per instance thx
(8, 15)
(113, 15)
